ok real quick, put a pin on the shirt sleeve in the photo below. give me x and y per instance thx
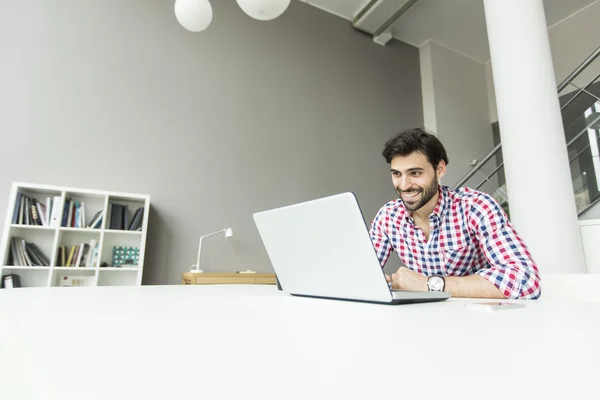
(379, 237)
(511, 267)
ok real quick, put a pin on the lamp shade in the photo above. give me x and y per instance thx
(263, 10)
(193, 15)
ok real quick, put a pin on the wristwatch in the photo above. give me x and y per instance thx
(436, 283)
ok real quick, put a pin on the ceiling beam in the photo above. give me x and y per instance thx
(377, 17)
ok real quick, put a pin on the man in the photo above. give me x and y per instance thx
(459, 241)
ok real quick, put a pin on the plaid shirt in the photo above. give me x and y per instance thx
(469, 234)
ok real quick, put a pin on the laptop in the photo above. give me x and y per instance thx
(322, 248)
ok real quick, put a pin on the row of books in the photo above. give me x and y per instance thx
(82, 255)
(27, 254)
(120, 218)
(31, 211)
(74, 215)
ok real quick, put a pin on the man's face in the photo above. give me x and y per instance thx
(415, 179)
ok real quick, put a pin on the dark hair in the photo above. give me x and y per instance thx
(416, 139)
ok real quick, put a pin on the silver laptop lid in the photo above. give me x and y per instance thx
(323, 248)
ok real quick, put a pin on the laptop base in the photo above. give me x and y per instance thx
(390, 303)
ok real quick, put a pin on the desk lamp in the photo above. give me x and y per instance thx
(228, 233)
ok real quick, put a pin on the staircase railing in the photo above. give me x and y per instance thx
(568, 80)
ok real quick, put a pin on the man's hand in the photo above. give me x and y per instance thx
(473, 286)
(407, 279)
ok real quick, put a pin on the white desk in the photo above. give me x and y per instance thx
(253, 342)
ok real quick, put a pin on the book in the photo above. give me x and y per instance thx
(36, 261)
(21, 208)
(116, 216)
(27, 211)
(41, 208)
(56, 215)
(48, 209)
(28, 261)
(39, 254)
(15, 216)
(65, 213)
(137, 219)
(89, 262)
(96, 220)
(15, 253)
(70, 258)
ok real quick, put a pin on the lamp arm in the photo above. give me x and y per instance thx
(200, 245)
(212, 234)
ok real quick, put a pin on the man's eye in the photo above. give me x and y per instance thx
(416, 173)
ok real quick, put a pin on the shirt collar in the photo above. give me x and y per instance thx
(440, 207)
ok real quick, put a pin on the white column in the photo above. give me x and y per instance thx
(538, 177)
(427, 90)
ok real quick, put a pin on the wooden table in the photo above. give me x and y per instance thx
(207, 278)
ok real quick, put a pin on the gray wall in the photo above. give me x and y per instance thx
(246, 116)
(455, 93)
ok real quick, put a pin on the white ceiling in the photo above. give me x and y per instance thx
(456, 24)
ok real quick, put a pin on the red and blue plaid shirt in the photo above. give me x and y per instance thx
(469, 234)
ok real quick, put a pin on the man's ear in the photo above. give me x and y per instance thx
(441, 169)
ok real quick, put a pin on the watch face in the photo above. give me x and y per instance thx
(436, 283)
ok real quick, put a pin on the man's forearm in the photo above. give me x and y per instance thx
(458, 286)
(472, 286)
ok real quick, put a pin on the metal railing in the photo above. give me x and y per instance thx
(568, 80)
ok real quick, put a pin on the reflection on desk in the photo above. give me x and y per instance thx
(225, 341)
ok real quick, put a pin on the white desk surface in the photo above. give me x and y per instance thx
(254, 342)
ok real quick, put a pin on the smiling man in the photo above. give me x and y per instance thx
(459, 241)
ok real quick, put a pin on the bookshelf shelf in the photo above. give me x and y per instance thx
(32, 227)
(119, 232)
(64, 229)
(63, 236)
(118, 269)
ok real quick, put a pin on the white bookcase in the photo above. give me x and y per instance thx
(53, 238)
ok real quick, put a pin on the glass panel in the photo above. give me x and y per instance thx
(584, 78)
(497, 192)
(584, 157)
(581, 119)
(483, 171)
(573, 116)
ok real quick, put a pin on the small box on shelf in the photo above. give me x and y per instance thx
(121, 250)
(125, 256)
(74, 278)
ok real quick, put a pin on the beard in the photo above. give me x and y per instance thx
(422, 195)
